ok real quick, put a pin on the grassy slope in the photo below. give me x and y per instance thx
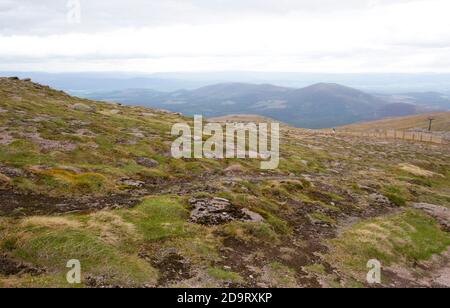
(321, 180)
(441, 123)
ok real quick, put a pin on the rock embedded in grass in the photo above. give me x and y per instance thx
(380, 199)
(131, 183)
(234, 169)
(82, 107)
(147, 162)
(219, 211)
(440, 213)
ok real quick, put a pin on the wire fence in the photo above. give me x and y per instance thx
(415, 136)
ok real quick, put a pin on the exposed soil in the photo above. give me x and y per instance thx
(5, 138)
(434, 273)
(99, 282)
(172, 266)
(9, 267)
(47, 145)
(14, 203)
(20, 203)
(250, 260)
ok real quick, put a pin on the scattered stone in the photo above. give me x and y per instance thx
(91, 145)
(147, 162)
(100, 282)
(5, 138)
(137, 133)
(128, 141)
(41, 118)
(83, 107)
(83, 132)
(40, 168)
(3, 110)
(440, 213)
(70, 169)
(11, 172)
(212, 155)
(218, 211)
(79, 123)
(367, 188)
(380, 199)
(234, 169)
(50, 145)
(132, 183)
(254, 217)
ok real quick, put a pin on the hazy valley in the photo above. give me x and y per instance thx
(318, 106)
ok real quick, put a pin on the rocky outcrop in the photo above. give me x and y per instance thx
(440, 213)
(218, 211)
(234, 169)
(83, 107)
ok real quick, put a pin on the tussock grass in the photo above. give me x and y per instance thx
(159, 218)
(400, 239)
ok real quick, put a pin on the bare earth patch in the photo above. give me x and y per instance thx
(50, 145)
(9, 266)
(5, 138)
(434, 273)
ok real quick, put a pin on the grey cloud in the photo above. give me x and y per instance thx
(49, 16)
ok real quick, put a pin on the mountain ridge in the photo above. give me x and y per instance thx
(316, 106)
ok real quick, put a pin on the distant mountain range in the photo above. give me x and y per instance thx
(86, 82)
(428, 99)
(317, 106)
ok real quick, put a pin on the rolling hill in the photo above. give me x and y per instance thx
(317, 106)
(441, 123)
(96, 182)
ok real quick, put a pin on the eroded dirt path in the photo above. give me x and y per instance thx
(434, 273)
(17, 203)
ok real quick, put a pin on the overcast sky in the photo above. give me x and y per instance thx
(333, 36)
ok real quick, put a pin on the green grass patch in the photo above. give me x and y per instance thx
(225, 275)
(323, 217)
(396, 195)
(159, 218)
(53, 246)
(400, 239)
